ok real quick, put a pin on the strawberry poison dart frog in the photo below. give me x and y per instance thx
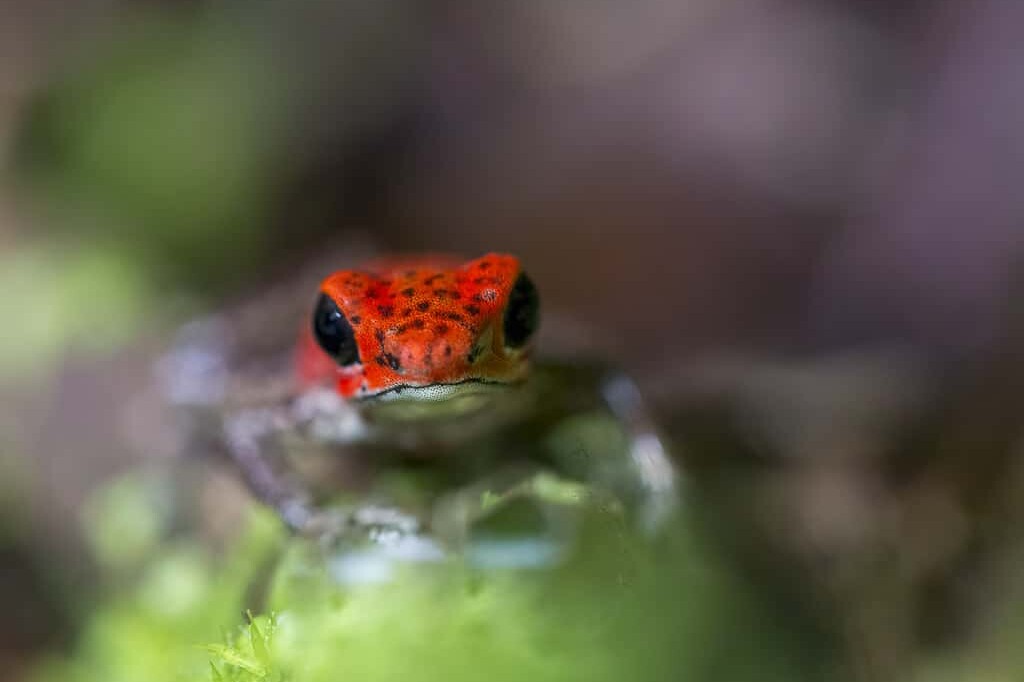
(424, 365)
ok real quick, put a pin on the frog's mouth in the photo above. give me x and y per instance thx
(437, 392)
(432, 400)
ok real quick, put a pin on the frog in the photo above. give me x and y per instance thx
(424, 363)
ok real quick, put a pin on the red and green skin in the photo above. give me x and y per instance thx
(423, 321)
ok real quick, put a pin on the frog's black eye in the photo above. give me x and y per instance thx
(333, 332)
(522, 314)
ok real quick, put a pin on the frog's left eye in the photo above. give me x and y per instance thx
(333, 332)
(522, 314)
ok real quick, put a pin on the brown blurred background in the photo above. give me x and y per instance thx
(797, 223)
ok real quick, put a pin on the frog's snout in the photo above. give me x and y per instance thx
(429, 356)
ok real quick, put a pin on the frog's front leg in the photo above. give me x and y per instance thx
(608, 456)
(258, 440)
(653, 471)
(252, 437)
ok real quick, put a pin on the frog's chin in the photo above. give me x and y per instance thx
(434, 400)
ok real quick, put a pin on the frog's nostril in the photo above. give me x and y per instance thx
(482, 347)
(474, 354)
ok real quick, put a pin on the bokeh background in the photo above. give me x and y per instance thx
(796, 223)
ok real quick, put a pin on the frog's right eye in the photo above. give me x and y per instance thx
(333, 332)
(522, 314)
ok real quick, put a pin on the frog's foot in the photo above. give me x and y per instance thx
(334, 526)
(517, 518)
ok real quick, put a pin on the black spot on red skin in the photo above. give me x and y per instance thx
(479, 280)
(409, 292)
(406, 312)
(433, 278)
(423, 306)
(447, 351)
(484, 265)
(386, 311)
(472, 309)
(381, 360)
(393, 362)
(416, 323)
(355, 319)
(441, 329)
(379, 335)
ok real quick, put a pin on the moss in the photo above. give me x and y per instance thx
(617, 608)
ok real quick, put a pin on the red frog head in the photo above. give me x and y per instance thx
(421, 328)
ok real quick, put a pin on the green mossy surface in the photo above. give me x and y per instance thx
(618, 608)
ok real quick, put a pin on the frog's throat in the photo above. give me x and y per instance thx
(438, 392)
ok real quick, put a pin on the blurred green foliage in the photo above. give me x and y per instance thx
(158, 143)
(620, 608)
(165, 597)
(87, 300)
(151, 156)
